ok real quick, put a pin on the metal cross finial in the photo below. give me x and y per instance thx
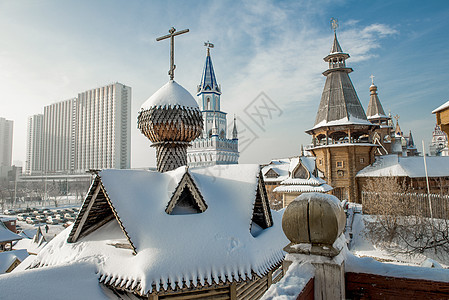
(172, 35)
(334, 24)
(372, 79)
(208, 45)
(396, 117)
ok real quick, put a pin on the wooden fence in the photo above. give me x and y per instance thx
(416, 204)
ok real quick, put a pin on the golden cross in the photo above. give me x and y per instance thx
(372, 79)
(172, 35)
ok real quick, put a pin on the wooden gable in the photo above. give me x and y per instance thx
(300, 172)
(271, 174)
(97, 210)
(261, 211)
(186, 199)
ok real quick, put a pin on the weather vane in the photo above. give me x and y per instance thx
(208, 45)
(397, 117)
(334, 24)
(372, 79)
(172, 35)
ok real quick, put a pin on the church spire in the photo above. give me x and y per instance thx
(208, 81)
(234, 130)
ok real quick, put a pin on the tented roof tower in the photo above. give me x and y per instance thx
(339, 101)
(375, 110)
(342, 135)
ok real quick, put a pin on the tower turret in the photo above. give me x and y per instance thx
(207, 150)
(234, 131)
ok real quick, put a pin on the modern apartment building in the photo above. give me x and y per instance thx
(34, 147)
(91, 131)
(6, 129)
(103, 132)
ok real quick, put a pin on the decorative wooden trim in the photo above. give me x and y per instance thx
(186, 182)
(300, 165)
(85, 214)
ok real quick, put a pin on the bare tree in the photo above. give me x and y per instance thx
(399, 225)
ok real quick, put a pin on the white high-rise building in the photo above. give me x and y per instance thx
(58, 137)
(33, 162)
(91, 131)
(103, 132)
(6, 129)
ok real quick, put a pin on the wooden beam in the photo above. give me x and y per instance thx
(86, 213)
(98, 225)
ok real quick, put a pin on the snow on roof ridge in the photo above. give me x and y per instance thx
(441, 107)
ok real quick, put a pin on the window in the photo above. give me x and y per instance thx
(339, 164)
(320, 161)
(362, 160)
(208, 104)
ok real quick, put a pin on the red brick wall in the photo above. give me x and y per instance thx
(369, 286)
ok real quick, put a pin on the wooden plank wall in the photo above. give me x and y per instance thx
(369, 286)
(308, 292)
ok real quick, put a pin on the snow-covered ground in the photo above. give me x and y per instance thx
(361, 246)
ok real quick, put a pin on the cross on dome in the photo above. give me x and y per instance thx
(172, 35)
(372, 79)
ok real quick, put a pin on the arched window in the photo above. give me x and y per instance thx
(207, 103)
(222, 134)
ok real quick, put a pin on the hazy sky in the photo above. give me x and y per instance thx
(51, 50)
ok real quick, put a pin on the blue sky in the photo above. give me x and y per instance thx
(51, 50)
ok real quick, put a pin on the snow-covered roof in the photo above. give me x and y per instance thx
(286, 168)
(71, 281)
(441, 107)
(7, 258)
(34, 244)
(324, 188)
(7, 235)
(410, 166)
(200, 248)
(171, 94)
(343, 121)
(280, 166)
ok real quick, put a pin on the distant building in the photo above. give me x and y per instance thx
(213, 147)
(91, 131)
(103, 132)
(287, 178)
(442, 115)
(6, 130)
(439, 144)
(58, 134)
(34, 147)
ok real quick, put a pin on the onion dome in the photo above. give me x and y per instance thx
(171, 119)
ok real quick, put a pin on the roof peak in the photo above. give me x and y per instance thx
(336, 48)
(208, 82)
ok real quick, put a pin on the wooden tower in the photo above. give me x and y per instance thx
(342, 135)
(376, 115)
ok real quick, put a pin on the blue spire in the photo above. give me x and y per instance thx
(208, 81)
